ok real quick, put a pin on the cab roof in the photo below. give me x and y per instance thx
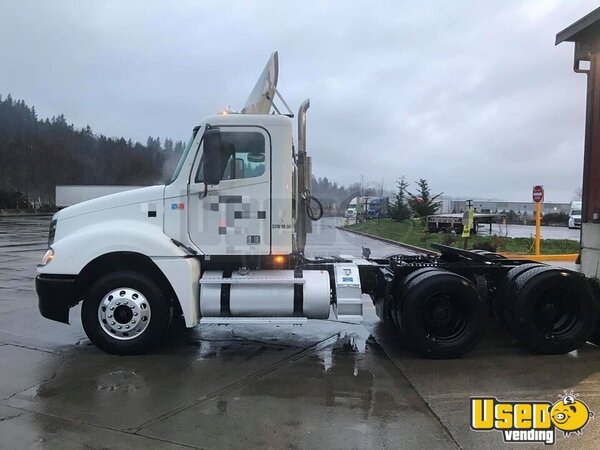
(248, 119)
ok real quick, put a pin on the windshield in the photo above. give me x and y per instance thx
(184, 154)
(576, 212)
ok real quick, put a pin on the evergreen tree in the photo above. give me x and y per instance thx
(168, 145)
(37, 154)
(423, 204)
(399, 209)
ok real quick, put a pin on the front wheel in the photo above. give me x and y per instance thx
(125, 313)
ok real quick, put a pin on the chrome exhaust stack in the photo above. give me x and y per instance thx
(303, 162)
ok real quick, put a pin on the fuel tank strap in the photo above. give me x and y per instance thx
(298, 293)
(225, 296)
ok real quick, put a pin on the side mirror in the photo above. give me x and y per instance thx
(211, 158)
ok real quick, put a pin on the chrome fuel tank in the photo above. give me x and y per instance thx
(265, 293)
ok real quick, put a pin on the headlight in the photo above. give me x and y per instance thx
(48, 256)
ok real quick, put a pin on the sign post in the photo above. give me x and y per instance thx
(467, 222)
(538, 197)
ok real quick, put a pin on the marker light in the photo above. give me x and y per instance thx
(278, 260)
(48, 256)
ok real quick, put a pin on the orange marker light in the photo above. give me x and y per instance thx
(278, 259)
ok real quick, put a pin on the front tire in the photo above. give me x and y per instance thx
(125, 313)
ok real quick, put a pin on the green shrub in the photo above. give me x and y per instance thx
(449, 238)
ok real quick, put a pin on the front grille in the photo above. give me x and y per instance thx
(52, 232)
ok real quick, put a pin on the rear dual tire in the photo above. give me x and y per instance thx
(440, 313)
(395, 300)
(506, 292)
(549, 310)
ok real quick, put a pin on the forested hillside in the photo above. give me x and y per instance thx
(37, 154)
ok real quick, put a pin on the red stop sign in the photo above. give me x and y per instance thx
(538, 194)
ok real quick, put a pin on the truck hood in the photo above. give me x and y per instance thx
(133, 197)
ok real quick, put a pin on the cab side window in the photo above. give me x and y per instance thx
(243, 156)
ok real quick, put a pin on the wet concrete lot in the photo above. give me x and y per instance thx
(322, 385)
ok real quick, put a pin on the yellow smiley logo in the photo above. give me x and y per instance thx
(570, 415)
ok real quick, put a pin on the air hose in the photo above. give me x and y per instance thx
(309, 210)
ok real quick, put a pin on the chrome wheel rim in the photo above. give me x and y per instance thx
(124, 313)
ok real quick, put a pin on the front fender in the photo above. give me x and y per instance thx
(74, 251)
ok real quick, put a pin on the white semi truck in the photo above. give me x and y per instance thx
(575, 215)
(223, 242)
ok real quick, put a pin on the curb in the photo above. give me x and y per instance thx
(413, 248)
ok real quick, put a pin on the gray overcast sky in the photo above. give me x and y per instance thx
(473, 96)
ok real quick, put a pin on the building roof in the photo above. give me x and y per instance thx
(585, 28)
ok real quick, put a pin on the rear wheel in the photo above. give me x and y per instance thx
(442, 315)
(554, 310)
(395, 301)
(504, 297)
(125, 313)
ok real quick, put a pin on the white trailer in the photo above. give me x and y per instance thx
(223, 242)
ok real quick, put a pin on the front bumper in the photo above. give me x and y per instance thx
(55, 296)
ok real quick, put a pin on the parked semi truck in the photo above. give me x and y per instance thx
(351, 211)
(223, 242)
(378, 208)
(575, 215)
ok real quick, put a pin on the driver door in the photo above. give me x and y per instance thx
(234, 218)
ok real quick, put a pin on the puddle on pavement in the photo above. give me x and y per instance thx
(341, 375)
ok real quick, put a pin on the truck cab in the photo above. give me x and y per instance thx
(249, 209)
(222, 241)
(224, 229)
(378, 208)
(351, 210)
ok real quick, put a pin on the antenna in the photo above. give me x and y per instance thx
(262, 97)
